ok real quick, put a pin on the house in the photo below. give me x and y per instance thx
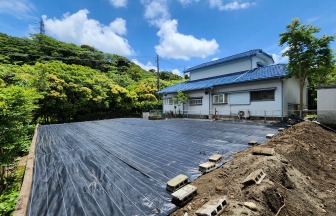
(248, 84)
(326, 104)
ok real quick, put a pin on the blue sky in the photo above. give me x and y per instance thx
(183, 33)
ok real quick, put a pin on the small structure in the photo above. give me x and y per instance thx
(213, 208)
(269, 136)
(184, 195)
(253, 142)
(177, 182)
(215, 158)
(263, 151)
(255, 177)
(207, 167)
(326, 104)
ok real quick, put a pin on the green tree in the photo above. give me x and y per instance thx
(180, 99)
(307, 53)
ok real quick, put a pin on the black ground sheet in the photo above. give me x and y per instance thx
(121, 166)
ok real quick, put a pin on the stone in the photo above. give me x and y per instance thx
(251, 206)
(219, 188)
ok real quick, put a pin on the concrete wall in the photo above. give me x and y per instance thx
(326, 105)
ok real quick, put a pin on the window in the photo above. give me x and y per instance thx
(219, 99)
(169, 101)
(195, 102)
(265, 95)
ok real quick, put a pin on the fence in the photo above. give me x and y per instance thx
(323, 116)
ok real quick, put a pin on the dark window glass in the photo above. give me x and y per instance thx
(262, 95)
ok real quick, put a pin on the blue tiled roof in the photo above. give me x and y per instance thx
(268, 72)
(228, 59)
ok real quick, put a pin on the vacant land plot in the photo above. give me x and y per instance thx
(121, 166)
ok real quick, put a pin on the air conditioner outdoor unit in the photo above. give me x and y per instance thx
(243, 114)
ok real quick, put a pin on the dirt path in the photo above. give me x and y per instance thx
(300, 177)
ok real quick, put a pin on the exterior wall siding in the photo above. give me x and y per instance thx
(256, 108)
(326, 105)
(222, 69)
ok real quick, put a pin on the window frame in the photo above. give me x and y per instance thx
(168, 100)
(223, 95)
(195, 104)
(263, 95)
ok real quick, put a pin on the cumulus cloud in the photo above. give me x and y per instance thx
(118, 3)
(232, 5)
(17, 8)
(179, 46)
(79, 29)
(278, 58)
(156, 11)
(146, 66)
(177, 72)
(172, 43)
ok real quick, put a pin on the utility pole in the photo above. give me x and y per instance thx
(42, 27)
(158, 71)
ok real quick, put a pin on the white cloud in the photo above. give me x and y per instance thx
(278, 58)
(79, 29)
(178, 72)
(156, 11)
(118, 3)
(232, 5)
(214, 59)
(18, 8)
(187, 2)
(147, 66)
(179, 46)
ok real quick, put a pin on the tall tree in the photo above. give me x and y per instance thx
(307, 53)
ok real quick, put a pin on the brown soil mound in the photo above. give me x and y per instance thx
(300, 177)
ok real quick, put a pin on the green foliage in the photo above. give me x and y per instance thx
(180, 99)
(309, 56)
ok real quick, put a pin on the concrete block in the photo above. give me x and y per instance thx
(207, 167)
(184, 195)
(177, 182)
(253, 142)
(255, 177)
(213, 208)
(263, 151)
(215, 158)
(281, 129)
(269, 136)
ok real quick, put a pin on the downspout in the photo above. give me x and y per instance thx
(282, 100)
(251, 61)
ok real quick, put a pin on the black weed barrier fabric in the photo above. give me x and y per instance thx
(121, 166)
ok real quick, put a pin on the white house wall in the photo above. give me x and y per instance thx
(292, 93)
(198, 109)
(256, 108)
(326, 105)
(222, 69)
(229, 67)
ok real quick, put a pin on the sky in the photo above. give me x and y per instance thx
(184, 33)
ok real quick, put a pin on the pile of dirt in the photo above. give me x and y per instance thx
(300, 177)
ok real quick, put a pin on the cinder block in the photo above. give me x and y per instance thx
(207, 167)
(184, 195)
(269, 136)
(253, 142)
(255, 177)
(177, 182)
(213, 208)
(215, 158)
(263, 151)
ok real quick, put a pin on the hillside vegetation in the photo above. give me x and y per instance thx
(43, 80)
